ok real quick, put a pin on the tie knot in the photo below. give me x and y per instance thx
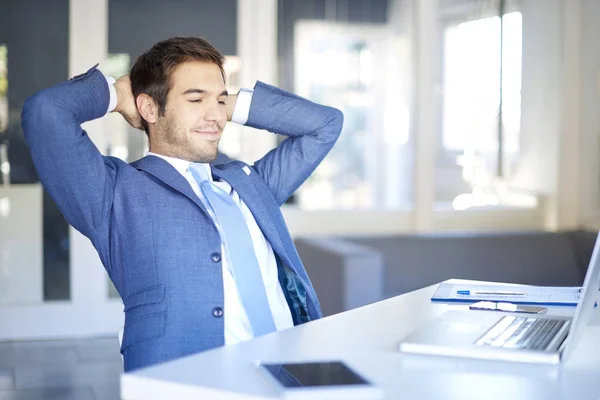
(199, 171)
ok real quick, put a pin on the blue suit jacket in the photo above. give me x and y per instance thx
(154, 236)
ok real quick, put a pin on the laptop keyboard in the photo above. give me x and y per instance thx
(522, 333)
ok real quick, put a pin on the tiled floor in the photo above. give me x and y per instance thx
(60, 370)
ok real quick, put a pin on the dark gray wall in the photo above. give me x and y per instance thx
(289, 11)
(36, 33)
(135, 25)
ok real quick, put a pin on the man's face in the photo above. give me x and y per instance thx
(195, 114)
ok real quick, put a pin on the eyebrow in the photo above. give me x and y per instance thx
(202, 91)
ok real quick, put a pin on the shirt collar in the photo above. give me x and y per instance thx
(182, 165)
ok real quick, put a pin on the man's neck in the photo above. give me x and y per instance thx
(161, 153)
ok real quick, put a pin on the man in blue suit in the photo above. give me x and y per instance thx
(200, 254)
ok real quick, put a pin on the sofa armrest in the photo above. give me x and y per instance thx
(345, 275)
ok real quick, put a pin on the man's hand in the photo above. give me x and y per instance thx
(230, 105)
(126, 103)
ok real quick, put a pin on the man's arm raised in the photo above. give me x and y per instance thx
(311, 129)
(79, 179)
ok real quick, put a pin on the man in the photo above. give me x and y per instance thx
(200, 254)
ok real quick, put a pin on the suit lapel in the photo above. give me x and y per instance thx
(168, 175)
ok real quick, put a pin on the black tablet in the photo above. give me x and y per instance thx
(319, 380)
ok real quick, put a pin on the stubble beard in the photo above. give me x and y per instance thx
(178, 145)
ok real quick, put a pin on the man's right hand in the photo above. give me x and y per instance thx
(126, 103)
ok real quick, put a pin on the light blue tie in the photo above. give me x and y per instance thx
(238, 242)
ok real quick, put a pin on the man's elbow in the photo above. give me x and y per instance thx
(338, 120)
(335, 123)
(32, 110)
(40, 112)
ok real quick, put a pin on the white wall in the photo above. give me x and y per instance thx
(322, 223)
(257, 48)
(590, 113)
(21, 271)
(550, 124)
(541, 80)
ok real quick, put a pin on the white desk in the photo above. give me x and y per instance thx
(366, 339)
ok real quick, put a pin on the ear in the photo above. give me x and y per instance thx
(147, 108)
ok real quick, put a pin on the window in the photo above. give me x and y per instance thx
(4, 165)
(361, 69)
(3, 88)
(472, 85)
(482, 85)
(232, 141)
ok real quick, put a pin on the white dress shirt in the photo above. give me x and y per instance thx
(237, 324)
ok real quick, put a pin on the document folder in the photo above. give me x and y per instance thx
(518, 294)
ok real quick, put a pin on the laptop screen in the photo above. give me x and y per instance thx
(587, 301)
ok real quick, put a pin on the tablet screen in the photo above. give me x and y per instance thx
(314, 374)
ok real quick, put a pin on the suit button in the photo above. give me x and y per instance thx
(215, 257)
(217, 312)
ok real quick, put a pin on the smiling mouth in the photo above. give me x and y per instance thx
(208, 133)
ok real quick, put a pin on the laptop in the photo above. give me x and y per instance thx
(494, 335)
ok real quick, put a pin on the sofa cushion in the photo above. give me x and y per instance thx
(345, 275)
(582, 243)
(536, 258)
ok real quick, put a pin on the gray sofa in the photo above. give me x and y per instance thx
(353, 271)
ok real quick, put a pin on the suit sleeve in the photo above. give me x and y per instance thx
(311, 131)
(72, 170)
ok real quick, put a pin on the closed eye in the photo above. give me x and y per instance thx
(196, 101)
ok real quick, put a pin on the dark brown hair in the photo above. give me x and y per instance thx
(151, 73)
